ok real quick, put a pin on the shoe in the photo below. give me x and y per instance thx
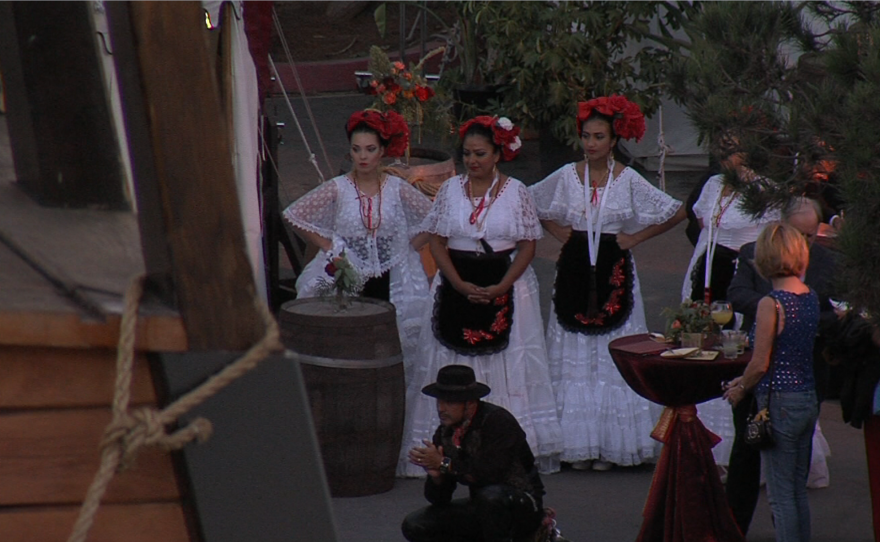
(582, 465)
(602, 466)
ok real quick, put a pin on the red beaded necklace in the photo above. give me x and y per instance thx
(365, 203)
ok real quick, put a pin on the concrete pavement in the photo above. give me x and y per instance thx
(591, 506)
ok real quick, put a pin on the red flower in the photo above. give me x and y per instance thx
(423, 94)
(330, 269)
(613, 304)
(396, 131)
(473, 336)
(617, 276)
(506, 137)
(500, 323)
(389, 98)
(502, 299)
(599, 319)
(628, 120)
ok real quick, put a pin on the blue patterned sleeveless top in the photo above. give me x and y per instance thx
(792, 367)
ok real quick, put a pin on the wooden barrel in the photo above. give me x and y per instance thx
(352, 365)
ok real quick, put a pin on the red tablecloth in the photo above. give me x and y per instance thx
(686, 502)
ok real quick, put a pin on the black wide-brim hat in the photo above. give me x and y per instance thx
(456, 383)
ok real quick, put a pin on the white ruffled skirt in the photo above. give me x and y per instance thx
(518, 376)
(601, 417)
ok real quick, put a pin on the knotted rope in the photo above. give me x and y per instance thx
(129, 431)
(664, 150)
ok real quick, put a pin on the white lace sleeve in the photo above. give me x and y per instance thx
(528, 226)
(439, 219)
(650, 204)
(416, 207)
(549, 197)
(316, 211)
(708, 195)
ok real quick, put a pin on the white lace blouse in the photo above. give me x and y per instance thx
(632, 203)
(735, 227)
(334, 210)
(511, 217)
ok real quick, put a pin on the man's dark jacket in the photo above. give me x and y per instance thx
(493, 451)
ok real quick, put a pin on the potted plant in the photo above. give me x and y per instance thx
(406, 90)
(465, 69)
(690, 323)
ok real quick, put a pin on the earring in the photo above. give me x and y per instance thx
(610, 161)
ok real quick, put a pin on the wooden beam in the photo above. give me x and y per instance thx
(195, 183)
(60, 125)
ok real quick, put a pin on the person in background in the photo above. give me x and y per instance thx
(481, 446)
(746, 290)
(780, 374)
(374, 220)
(600, 209)
(486, 310)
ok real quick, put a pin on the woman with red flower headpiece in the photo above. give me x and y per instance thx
(375, 219)
(600, 209)
(485, 313)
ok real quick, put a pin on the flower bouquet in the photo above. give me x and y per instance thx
(407, 92)
(690, 317)
(344, 281)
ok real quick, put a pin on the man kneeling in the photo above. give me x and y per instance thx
(482, 446)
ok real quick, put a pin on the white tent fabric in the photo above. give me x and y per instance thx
(245, 141)
(683, 152)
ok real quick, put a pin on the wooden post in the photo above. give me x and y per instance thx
(194, 183)
(61, 130)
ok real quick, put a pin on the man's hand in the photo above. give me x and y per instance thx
(429, 458)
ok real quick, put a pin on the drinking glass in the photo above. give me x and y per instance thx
(722, 312)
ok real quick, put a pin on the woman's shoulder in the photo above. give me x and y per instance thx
(566, 171)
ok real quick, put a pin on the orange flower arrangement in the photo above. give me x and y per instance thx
(404, 90)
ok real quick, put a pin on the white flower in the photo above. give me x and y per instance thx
(505, 123)
(515, 144)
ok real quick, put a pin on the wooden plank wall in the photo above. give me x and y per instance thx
(54, 406)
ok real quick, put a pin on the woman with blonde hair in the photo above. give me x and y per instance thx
(781, 374)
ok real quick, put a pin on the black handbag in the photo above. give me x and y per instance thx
(759, 429)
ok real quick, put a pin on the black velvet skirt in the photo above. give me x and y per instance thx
(587, 302)
(470, 328)
(723, 268)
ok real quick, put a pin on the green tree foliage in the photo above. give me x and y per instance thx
(548, 56)
(794, 86)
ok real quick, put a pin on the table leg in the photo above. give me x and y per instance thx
(686, 500)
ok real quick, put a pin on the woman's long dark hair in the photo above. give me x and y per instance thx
(364, 128)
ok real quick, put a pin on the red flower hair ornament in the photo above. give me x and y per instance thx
(390, 125)
(504, 133)
(628, 120)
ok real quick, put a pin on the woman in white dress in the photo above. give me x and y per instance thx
(600, 209)
(375, 220)
(725, 228)
(486, 311)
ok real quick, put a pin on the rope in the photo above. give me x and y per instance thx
(129, 431)
(302, 91)
(664, 150)
(302, 134)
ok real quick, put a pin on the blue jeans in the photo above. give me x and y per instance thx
(793, 416)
